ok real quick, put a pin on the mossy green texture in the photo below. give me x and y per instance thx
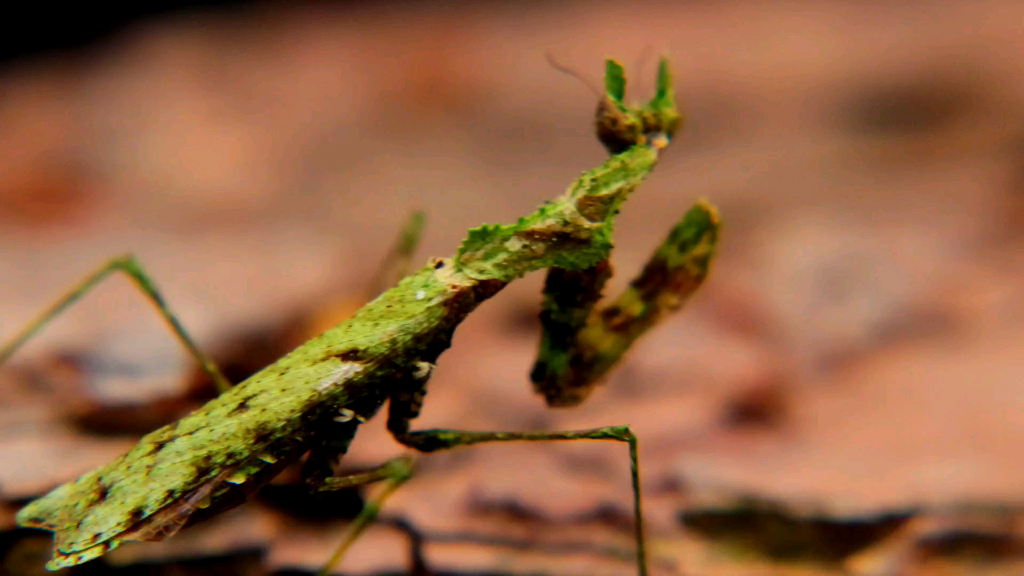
(261, 423)
(572, 231)
(678, 267)
(579, 343)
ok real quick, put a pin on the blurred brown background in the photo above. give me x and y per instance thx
(844, 396)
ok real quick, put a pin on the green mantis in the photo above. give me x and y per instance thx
(312, 400)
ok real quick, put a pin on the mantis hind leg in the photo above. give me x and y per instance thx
(131, 266)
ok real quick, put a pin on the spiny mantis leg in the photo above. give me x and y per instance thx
(406, 404)
(131, 266)
(580, 344)
(394, 473)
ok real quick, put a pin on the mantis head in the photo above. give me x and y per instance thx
(620, 126)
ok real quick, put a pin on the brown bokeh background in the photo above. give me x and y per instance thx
(856, 352)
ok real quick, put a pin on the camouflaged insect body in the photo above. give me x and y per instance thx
(222, 452)
(261, 423)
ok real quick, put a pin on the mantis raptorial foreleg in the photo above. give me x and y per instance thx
(579, 343)
(131, 266)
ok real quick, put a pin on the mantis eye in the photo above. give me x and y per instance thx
(617, 129)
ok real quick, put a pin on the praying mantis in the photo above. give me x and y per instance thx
(311, 401)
